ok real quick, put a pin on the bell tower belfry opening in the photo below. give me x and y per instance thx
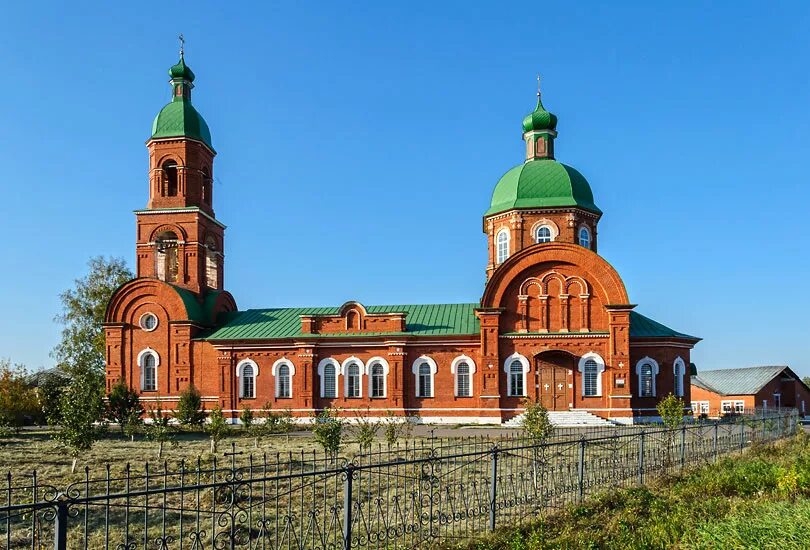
(179, 239)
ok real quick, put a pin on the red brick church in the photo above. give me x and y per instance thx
(554, 322)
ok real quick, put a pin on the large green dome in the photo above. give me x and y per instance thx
(181, 119)
(542, 183)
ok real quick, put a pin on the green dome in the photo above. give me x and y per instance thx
(539, 119)
(542, 183)
(181, 119)
(181, 71)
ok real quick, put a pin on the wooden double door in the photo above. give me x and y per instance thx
(554, 378)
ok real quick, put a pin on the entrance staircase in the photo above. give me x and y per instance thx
(564, 418)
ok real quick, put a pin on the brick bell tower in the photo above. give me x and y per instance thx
(179, 239)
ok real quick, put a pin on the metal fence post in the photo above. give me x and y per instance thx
(581, 469)
(716, 437)
(493, 488)
(60, 523)
(683, 447)
(742, 435)
(641, 459)
(347, 507)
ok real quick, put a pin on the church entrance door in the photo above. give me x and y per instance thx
(552, 380)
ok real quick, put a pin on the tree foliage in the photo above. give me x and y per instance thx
(159, 428)
(217, 427)
(806, 381)
(328, 430)
(81, 407)
(81, 348)
(396, 427)
(366, 431)
(535, 422)
(189, 411)
(671, 411)
(123, 405)
(18, 400)
(50, 385)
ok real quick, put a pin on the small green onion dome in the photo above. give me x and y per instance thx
(542, 183)
(181, 119)
(540, 119)
(181, 71)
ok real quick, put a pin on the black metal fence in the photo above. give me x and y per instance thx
(402, 497)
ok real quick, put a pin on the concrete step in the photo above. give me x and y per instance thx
(565, 418)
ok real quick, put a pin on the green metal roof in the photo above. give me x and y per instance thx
(644, 327)
(200, 313)
(421, 320)
(743, 381)
(541, 183)
(540, 118)
(181, 119)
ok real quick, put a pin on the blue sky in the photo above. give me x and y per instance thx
(359, 144)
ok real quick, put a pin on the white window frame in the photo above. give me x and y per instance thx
(274, 372)
(141, 355)
(679, 371)
(321, 367)
(141, 321)
(600, 368)
(655, 370)
(499, 258)
(361, 367)
(537, 231)
(386, 369)
(506, 364)
(777, 400)
(433, 370)
(587, 233)
(240, 367)
(700, 407)
(739, 406)
(453, 370)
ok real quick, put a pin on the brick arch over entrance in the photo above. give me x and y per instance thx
(596, 270)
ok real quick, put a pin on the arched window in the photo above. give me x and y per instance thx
(329, 380)
(166, 257)
(211, 263)
(543, 234)
(590, 375)
(377, 374)
(148, 371)
(425, 388)
(502, 241)
(283, 382)
(678, 370)
(516, 379)
(247, 382)
(353, 380)
(584, 237)
(170, 177)
(646, 369)
(463, 382)
(352, 321)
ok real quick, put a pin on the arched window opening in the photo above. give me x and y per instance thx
(352, 321)
(463, 385)
(502, 246)
(329, 381)
(166, 257)
(149, 366)
(377, 380)
(425, 386)
(678, 369)
(590, 378)
(516, 379)
(543, 234)
(283, 383)
(353, 380)
(170, 178)
(248, 382)
(207, 184)
(584, 237)
(211, 263)
(646, 386)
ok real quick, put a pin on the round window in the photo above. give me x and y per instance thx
(148, 321)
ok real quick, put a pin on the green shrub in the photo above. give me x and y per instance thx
(190, 413)
(328, 431)
(535, 422)
(217, 427)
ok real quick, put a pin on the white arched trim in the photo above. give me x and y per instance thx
(433, 370)
(600, 368)
(321, 365)
(141, 355)
(503, 232)
(507, 363)
(240, 366)
(589, 235)
(654, 364)
(545, 222)
(454, 365)
(361, 368)
(282, 361)
(679, 372)
(386, 369)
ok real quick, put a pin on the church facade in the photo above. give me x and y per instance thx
(554, 323)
